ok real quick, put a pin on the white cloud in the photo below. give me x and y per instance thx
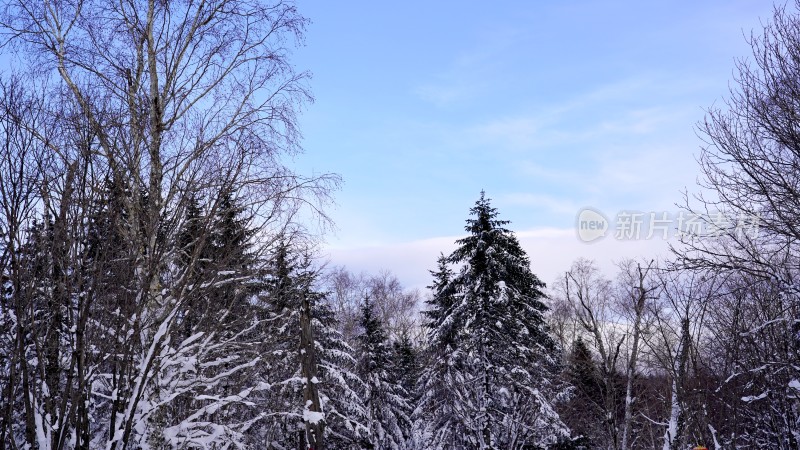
(585, 122)
(551, 251)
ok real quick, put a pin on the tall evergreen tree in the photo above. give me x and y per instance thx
(406, 365)
(339, 383)
(194, 256)
(231, 237)
(218, 280)
(386, 401)
(582, 370)
(583, 412)
(214, 245)
(492, 381)
(315, 387)
(441, 302)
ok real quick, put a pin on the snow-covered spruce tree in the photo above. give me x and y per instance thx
(406, 365)
(386, 402)
(339, 384)
(287, 357)
(222, 277)
(314, 396)
(490, 382)
(38, 313)
(583, 413)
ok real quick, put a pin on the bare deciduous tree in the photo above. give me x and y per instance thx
(750, 169)
(150, 104)
(396, 307)
(613, 317)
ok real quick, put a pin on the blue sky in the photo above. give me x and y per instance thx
(548, 106)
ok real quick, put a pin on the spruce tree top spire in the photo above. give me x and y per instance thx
(493, 260)
(485, 216)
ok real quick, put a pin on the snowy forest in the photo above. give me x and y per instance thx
(162, 285)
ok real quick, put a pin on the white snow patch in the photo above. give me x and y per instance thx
(313, 416)
(752, 398)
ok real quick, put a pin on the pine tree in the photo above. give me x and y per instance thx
(491, 380)
(214, 247)
(194, 256)
(231, 236)
(110, 299)
(281, 360)
(441, 303)
(328, 402)
(582, 370)
(406, 366)
(584, 412)
(216, 279)
(339, 383)
(386, 401)
(191, 238)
